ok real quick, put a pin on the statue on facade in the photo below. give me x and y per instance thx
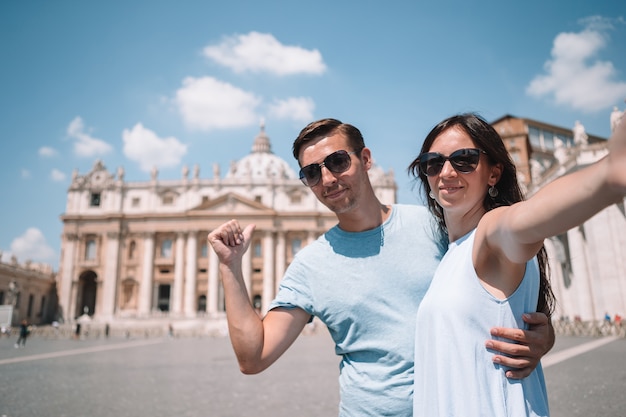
(535, 171)
(196, 172)
(120, 173)
(560, 152)
(216, 170)
(154, 173)
(185, 171)
(98, 166)
(616, 117)
(580, 136)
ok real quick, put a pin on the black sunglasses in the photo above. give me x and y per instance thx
(337, 162)
(462, 160)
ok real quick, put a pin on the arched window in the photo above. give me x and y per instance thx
(202, 303)
(94, 200)
(258, 252)
(166, 248)
(90, 250)
(296, 245)
(164, 294)
(295, 198)
(256, 302)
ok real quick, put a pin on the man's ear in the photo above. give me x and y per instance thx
(366, 158)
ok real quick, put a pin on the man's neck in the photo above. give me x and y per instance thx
(362, 219)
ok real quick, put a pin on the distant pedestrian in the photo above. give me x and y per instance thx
(24, 332)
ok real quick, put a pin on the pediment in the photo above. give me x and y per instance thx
(168, 192)
(97, 179)
(232, 203)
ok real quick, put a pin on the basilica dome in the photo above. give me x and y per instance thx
(261, 163)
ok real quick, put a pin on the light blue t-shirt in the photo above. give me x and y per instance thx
(456, 376)
(366, 288)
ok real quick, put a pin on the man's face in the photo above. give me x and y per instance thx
(337, 191)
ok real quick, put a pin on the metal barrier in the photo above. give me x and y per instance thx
(598, 328)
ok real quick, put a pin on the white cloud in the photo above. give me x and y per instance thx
(261, 52)
(25, 173)
(47, 152)
(5, 256)
(296, 108)
(57, 175)
(32, 246)
(206, 103)
(85, 145)
(145, 147)
(574, 76)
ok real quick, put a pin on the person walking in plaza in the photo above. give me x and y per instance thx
(24, 332)
(364, 279)
(495, 266)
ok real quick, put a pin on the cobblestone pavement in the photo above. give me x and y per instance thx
(191, 377)
(163, 377)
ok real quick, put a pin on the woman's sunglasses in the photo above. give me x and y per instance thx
(337, 162)
(462, 160)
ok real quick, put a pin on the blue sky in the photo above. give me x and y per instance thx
(173, 83)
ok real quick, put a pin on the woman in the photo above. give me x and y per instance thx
(495, 267)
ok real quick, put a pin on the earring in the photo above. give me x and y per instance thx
(431, 195)
(493, 191)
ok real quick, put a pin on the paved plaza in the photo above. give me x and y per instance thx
(191, 377)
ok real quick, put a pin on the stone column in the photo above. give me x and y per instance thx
(580, 274)
(191, 278)
(268, 270)
(280, 259)
(179, 267)
(557, 258)
(212, 295)
(111, 271)
(67, 275)
(617, 224)
(145, 290)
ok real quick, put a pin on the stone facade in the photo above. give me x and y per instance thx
(587, 264)
(138, 250)
(29, 288)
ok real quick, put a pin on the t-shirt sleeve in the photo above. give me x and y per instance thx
(294, 290)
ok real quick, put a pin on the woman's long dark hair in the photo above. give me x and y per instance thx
(487, 139)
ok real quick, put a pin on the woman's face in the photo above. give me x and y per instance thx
(454, 191)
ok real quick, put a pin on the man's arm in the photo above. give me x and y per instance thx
(257, 342)
(526, 348)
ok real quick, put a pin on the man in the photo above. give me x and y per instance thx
(364, 279)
